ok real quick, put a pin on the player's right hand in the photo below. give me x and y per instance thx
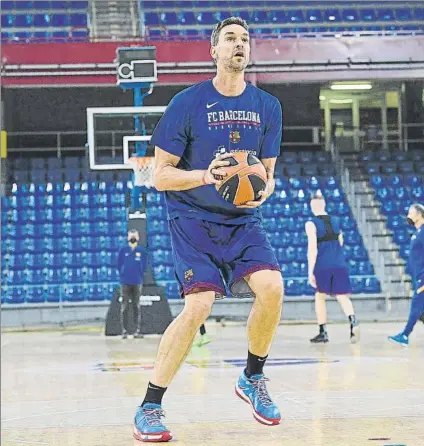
(215, 175)
(312, 281)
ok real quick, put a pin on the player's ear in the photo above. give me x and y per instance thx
(213, 52)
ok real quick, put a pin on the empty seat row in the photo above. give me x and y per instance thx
(27, 260)
(57, 293)
(8, 5)
(384, 155)
(280, 16)
(395, 207)
(80, 229)
(43, 20)
(115, 199)
(59, 275)
(66, 243)
(308, 170)
(70, 188)
(178, 33)
(76, 34)
(61, 175)
(389, 193)
(390, 167)
(63, 215)
(396, 180)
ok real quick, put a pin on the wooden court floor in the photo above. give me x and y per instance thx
(80, 388)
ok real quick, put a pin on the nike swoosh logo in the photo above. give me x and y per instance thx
(211, 105)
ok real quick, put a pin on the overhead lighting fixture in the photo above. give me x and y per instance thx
(341, 101)
(351, 86)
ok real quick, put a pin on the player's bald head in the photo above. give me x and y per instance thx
(317, 204)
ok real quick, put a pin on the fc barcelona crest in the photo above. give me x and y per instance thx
(235, 136)
(188, 275)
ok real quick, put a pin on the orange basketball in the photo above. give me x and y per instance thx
(246, 176)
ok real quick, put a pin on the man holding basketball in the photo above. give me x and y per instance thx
(216, 243)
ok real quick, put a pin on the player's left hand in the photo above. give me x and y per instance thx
(269, 189)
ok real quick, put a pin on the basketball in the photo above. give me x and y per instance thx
(246, 176)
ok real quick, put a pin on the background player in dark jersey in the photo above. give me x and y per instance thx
(416, 266)
(327, 268)
(212, 238)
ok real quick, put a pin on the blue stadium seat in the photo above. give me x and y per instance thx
(401, 236)
(42, 20)
(187, 18)
(78, 20)
(206, 18)
(78, 4)
(413, 180)
(59, 20)
(7, 5)
(406, 166)
(60, 4)
(417, 193)
(35, 295)
(151, 18)
(260, 16)
(371, 285)
(14, 295)
(72, 293)
(192, 34)
(172, 290)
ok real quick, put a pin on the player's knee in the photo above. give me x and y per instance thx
(272, 293)
(198, 306)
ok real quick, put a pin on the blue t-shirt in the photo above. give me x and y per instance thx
(330, 253)
(416, 258)
(200, 123)
(132, 264)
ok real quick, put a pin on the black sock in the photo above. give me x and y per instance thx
(322, 329)
(352, 318)
(202, 329)
(154, 394)
(255, 365)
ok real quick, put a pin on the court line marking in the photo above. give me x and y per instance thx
(61, 413)
(27, 442)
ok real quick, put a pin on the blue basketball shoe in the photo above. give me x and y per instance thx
(148, 426)
(400, 339)
(253, 390)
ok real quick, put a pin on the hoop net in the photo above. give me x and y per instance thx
(143, 170)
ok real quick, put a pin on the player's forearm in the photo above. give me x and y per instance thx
(269, 164)
(312, 259)
(172, 178)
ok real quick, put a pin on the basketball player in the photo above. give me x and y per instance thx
(327, 268)
(212, 238)
(416, 265)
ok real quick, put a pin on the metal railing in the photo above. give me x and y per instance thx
(357, 206)
(373, 137)
(111, 140)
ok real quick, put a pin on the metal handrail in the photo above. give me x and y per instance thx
(58, 145)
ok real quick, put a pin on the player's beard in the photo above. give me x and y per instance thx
(231, 66)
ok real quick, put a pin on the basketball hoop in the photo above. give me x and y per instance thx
(143, 167)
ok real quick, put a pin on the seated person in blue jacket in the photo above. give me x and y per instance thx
(132, 263)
